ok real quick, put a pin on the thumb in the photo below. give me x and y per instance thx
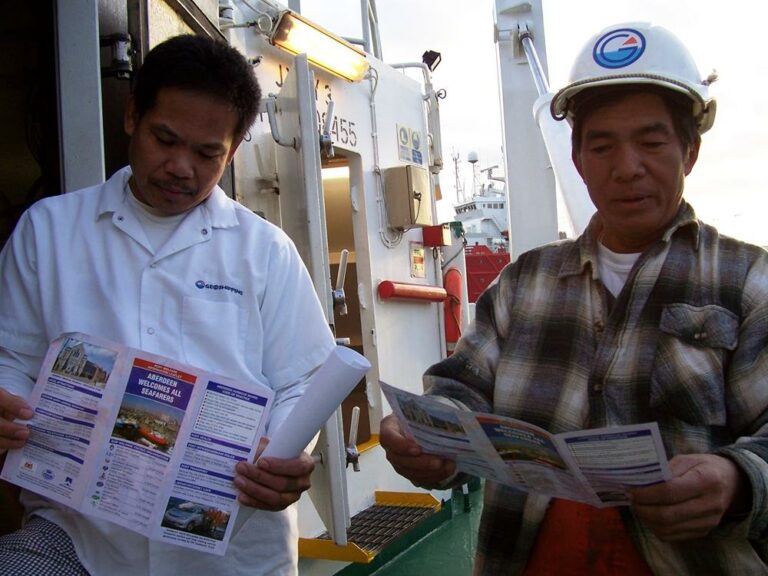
(393, 439)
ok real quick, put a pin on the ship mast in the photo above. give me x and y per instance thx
(460, 198)
(472, 158)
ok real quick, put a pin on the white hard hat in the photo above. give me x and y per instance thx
(638, 53)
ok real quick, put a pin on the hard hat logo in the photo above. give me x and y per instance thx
(619, 48)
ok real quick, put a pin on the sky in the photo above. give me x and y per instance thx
(729, 185)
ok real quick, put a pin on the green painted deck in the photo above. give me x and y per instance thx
(445, 545)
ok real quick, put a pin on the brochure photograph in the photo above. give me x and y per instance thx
(595, 466)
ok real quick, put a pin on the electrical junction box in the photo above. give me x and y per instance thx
(439, 235)
(408, 197)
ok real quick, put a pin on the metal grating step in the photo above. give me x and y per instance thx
(374, 528)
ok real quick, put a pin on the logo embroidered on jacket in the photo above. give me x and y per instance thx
(202, 285)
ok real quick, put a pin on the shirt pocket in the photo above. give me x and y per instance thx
(213, 335)
(688, 376)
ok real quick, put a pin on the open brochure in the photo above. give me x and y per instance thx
(139, 440)
(594, 466)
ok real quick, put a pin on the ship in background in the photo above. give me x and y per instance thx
(485, 224)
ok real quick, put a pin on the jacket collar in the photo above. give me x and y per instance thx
(583, 252)
(217, 209)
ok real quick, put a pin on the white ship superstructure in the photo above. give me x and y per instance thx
(484, 219)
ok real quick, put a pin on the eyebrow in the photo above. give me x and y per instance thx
(165, 130)
(655, 128)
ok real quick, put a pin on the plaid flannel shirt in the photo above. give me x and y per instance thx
(684, 344)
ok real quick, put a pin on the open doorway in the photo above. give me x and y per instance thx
(340, 230)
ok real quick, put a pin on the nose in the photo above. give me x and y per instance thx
(180, 163)
(628, 163)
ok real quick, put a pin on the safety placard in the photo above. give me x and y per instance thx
(418, 270)
(409, 144)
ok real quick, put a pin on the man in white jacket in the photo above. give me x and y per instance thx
(159, 258)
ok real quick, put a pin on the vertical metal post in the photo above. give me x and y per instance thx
(138, 28)
(530, 180)
(365, 22)
(78, 80)
(373, 20)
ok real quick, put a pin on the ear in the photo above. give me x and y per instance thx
(130, 117)
(691, 156)
(233, 149)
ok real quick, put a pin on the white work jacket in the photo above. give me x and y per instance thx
(227, 293)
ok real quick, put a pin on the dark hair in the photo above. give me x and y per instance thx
(680, 108)
(203, 65)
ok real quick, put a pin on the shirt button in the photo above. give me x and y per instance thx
(599, 326)
(150, 331)
(204, 231)
(120, 218)
(153, 265)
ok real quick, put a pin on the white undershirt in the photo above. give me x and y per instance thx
(614, 267)
(157, 227)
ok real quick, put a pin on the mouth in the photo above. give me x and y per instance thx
(174, 189)
(631, 201)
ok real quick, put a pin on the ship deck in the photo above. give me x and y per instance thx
(447, 549)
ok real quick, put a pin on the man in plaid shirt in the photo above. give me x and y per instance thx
(650, 315)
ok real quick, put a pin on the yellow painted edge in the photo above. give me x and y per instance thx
(321, 549)
(412, 499)
(371, 443)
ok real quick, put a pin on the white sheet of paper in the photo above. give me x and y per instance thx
(326, 390)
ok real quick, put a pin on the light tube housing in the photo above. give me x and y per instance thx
(297, 35)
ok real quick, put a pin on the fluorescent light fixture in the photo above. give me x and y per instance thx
(297, 35)
(336, 173)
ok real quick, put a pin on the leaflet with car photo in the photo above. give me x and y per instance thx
(140, 440)
(595, 466)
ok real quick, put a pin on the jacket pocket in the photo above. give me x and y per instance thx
(213, 334)
(688, 377)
